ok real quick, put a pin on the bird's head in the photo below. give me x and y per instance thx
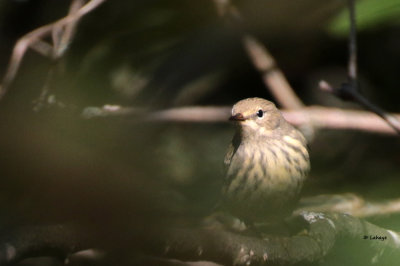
(256, 114)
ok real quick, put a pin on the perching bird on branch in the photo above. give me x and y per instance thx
(267, 163)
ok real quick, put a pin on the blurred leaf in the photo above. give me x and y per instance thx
(369, 14)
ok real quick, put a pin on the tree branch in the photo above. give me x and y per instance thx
(348, 203)
(273, 77)
(320, 117)
(61, 40)
(212, 243)
(34, 241)
(350, 90)
(230, 248)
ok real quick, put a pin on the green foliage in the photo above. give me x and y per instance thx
(369, 14)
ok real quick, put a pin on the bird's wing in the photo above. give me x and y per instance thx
(229, 155)
(232, 148)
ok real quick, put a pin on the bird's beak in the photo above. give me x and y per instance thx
(237, 117)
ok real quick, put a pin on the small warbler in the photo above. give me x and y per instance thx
(267, 163)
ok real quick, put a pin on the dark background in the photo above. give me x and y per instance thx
(122, 173)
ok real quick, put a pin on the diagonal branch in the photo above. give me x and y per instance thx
(31, 38)
(62, 35)
(347, 92)
(273, 77)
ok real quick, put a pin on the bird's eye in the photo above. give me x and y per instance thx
(260, 113)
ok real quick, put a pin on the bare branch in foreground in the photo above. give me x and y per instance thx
(230, 248)
(214, 243)
(320, 117)
(56, 241)
(33, 40)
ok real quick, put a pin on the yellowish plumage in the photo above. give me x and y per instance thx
(267, 163)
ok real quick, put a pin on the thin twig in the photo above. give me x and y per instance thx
(63, 36)
(351, 91)
(347, 92)
(32, 37)
(352, 45)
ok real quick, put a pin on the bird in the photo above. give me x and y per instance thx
(266, 163)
